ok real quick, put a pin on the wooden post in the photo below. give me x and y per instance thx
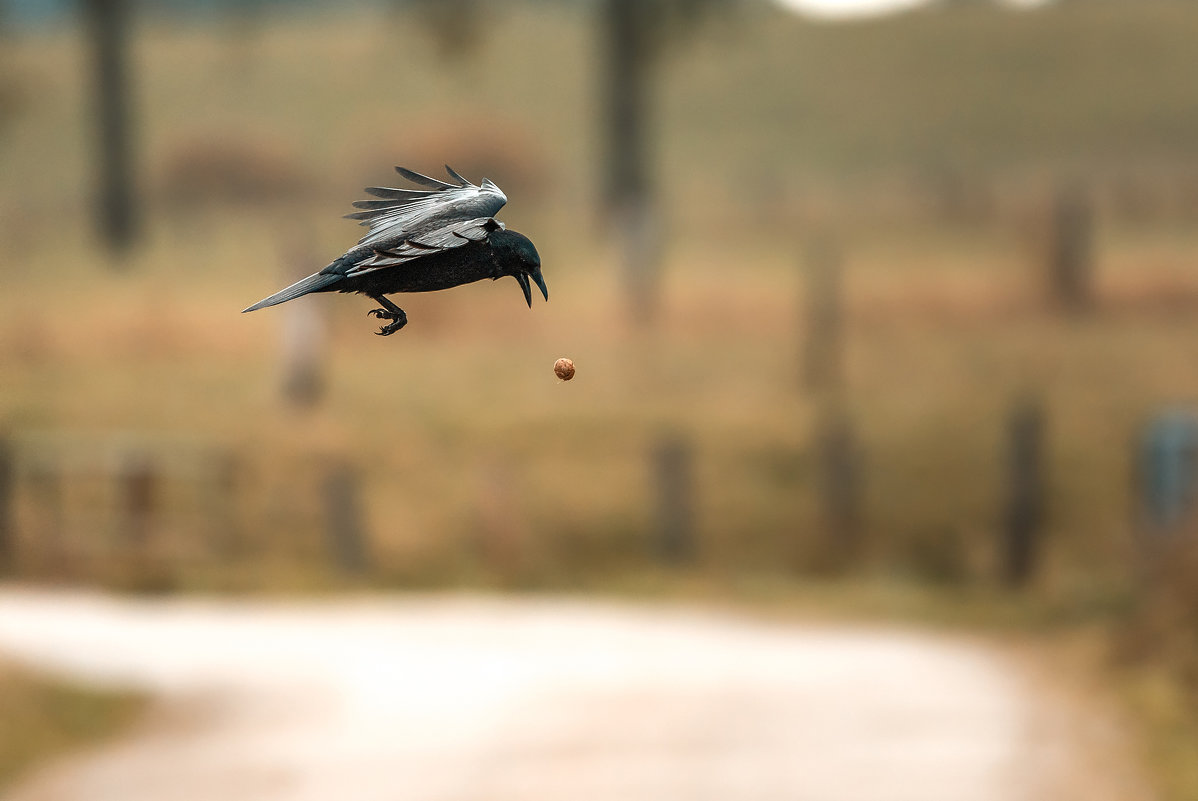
(838, 477)
(139, 491)
(673, 466)
(1071, 249)
(8, 488)
(1025, 500)
(108, 26)
(221, 488)
(823, 350)
(344, 531)
(45, 487)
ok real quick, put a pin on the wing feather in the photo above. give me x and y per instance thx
(397, 194)
(453, 235)
(423, 180)
(400, 213)
(454, 175)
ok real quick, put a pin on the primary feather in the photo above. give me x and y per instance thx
(405, 212)
(415, 246)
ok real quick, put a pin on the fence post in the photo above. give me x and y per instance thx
(45, 487)
(139, 482)
(674, 479)
(838, 477)
(1025, 501)
(1071, 250)
(344, 530)
(221, 492)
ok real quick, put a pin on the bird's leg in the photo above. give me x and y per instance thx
(389, 312)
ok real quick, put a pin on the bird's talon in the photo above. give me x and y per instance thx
(391, 328)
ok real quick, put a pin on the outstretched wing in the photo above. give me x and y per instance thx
(418, 245)
(402, 213)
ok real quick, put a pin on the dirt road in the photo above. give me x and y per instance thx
(512, 700)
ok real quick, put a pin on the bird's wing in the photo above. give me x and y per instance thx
(424, 243)
(399, 213)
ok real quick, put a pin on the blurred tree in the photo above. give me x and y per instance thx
(12, 99)
(457, 25)
(246, 22)
(107, 27)
(635, 35)
(630, 51)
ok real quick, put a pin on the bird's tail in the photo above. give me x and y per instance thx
(312, 283)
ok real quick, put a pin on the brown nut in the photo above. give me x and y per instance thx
(564, 368)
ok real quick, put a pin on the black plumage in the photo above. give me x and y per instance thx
(422, 240)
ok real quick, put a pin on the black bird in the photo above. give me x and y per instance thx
(421, 240)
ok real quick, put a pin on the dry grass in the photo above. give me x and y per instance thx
(41, 718)
(945, 326)
(933, 362)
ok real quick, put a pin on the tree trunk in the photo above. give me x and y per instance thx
(107, 25)
(629, 44)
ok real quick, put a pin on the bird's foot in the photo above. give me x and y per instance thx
(398, 320)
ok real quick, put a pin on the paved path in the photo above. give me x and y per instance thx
(474, 699)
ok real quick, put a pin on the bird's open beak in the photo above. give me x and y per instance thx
(524, 285)
(541, 284)
(523, 279)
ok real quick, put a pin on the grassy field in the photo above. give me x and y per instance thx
(929, 145)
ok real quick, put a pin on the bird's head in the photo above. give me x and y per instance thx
(517, 257)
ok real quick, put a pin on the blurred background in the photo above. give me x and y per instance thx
(875, 312)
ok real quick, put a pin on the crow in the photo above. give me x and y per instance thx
(422, 240)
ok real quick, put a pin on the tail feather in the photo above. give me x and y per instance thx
(312, 283)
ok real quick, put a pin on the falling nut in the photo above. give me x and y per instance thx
(564, 368)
